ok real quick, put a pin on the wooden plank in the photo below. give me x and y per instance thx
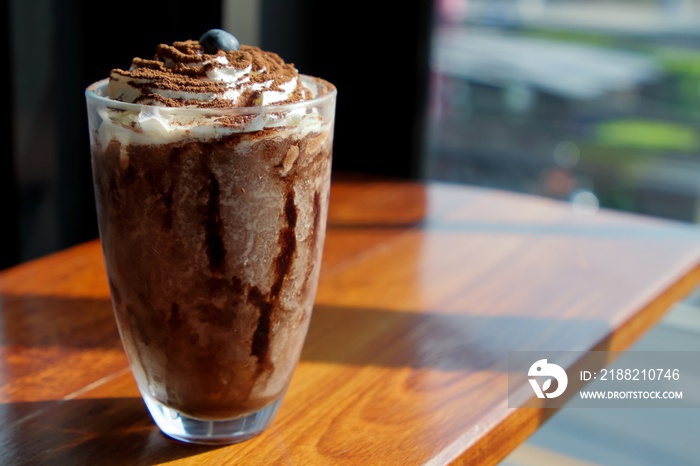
(58, 332)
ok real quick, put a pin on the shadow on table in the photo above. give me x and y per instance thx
(337, 334)
(73, 322)
(103, 431)
(441, 341)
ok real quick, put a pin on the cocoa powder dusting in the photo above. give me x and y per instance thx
(184, 69)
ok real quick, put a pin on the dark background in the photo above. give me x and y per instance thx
(57, 48)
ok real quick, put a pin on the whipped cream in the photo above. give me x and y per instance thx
(144, 124)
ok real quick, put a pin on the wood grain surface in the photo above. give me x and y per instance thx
(424, 290)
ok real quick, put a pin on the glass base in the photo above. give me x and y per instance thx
(219, 432)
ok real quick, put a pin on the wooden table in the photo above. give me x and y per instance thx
(424, 290)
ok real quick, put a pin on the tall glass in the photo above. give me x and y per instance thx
(212, 223)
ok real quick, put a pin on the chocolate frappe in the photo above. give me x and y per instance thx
(212, 172)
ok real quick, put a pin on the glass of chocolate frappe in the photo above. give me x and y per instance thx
(211, 167)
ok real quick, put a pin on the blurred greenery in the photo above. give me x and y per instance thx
(679, 61)
(684, 66)
(578, 37)
(647, 135)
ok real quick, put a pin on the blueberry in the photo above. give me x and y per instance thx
(217, 39)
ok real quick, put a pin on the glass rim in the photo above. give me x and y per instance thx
(92, 93)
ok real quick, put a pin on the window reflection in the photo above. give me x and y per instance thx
(599, 99)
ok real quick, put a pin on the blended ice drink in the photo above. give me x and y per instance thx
(211, 166)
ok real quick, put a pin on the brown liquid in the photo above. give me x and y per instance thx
(213, 253)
